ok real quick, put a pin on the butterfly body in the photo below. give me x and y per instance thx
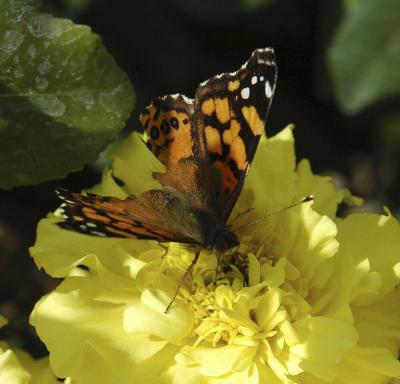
(206, 145)
(214, 233)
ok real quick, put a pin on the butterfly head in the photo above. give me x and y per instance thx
(222, 239)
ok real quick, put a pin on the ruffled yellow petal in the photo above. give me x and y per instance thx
(222, 361)
(11, 370)
(134, 164)
(18, 367)
(378, 323)
(59, 251)
(326, 196)
(374, 241)
(108, 186)
(66, 322)
(40, 370)
(368, 366)
(322, 350)
(148, 317)
(82, 325)
(248, 376)
(270, 184)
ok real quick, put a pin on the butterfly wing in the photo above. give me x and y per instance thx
(230, 110)
(163, 215)
(176, 142)
(207, 147)
(168, 124)
(142, 218)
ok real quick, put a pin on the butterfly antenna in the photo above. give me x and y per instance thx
(239, 215)
(305, 200)
(183, 278)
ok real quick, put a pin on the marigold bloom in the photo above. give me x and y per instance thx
(305, 298)
(18, 367)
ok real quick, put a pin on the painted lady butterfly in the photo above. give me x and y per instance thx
(207, 145)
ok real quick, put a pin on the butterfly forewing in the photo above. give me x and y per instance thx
(230, 110)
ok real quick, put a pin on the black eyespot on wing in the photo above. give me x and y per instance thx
(154, 133)
(165, 127)
(174, 122)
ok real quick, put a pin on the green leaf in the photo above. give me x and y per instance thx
(62, 96)
(364, 57)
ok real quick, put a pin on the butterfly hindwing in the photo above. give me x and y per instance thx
(230, 110)
(167, 123)
(172, 137)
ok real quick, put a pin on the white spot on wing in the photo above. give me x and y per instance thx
(187, 100)
(268, 90)
(245, 93)
(98, 233)
(93, 225)
(265, 62)
(254, 80)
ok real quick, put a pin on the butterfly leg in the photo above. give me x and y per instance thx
(183, 278)
(164, 247)
(217, 269)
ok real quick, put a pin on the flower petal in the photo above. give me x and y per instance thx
(59, 251)
(40, 370)
(326, 196)
(368, 366)
(11, 370)
(273, 165)
(108, 186)
(306, 239)
(223, 360)
(148, 317)
(325, 341)
(375, 238)
(126, 156)
(378, 323)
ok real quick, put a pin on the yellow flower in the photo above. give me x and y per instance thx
(18, 367)
(305, 298)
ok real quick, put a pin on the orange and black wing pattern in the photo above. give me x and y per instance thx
(104, 216)
(206, 144)
(167, 122)
(174, 139)
(230, 110)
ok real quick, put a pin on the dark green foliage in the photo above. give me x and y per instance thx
(62, 96)
(364, 57)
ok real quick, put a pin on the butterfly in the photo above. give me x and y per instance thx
(207, 145)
